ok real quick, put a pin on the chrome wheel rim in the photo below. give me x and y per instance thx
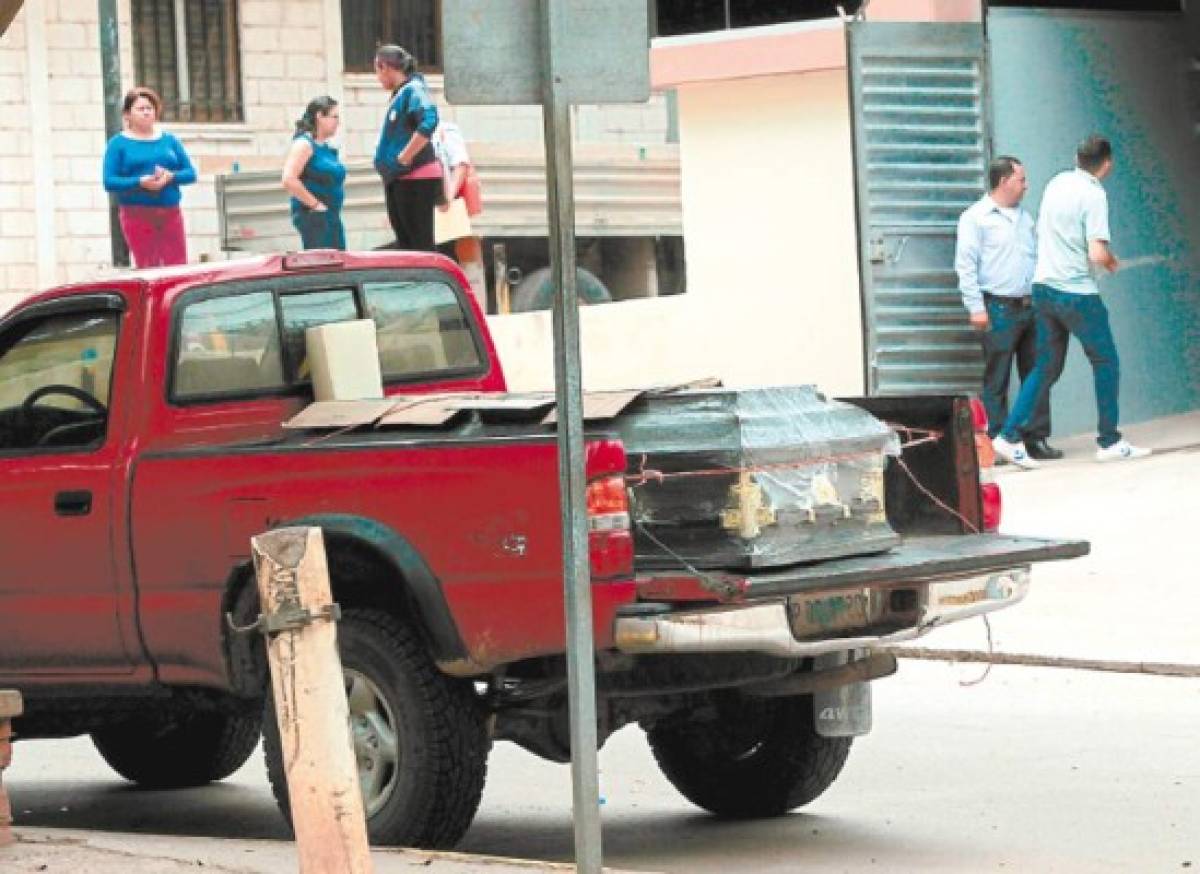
(376, 745)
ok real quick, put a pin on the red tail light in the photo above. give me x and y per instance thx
(979, 415)
(993, 506)
(610, 541)
(989, 490)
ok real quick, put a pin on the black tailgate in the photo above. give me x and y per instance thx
(917, 558)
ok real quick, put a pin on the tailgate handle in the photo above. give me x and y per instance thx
(73, 503)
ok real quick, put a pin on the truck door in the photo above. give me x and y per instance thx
(59, 480)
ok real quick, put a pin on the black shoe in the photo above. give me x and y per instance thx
(1041, 450)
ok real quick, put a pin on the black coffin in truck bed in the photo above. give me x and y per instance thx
(754, 478)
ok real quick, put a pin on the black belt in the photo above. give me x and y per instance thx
(1018, 303)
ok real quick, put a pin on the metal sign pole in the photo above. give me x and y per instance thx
(110, 62)
(581, 675)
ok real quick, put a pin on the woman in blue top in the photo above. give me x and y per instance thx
(404, 156)
(316, 178)
(144, 168)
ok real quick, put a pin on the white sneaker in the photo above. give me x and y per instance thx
(1014, 453)
(1122, 450)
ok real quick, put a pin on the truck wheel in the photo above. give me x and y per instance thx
(537, 292)
(757, 758)
(190, 751)
(420, 737)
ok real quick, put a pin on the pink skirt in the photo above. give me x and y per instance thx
(155, 235)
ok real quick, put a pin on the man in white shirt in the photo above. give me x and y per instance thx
(994, 258)
(1073, 239)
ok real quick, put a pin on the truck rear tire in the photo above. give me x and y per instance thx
(420, 737)
(757, 758)
(537, 292)
(189, 751)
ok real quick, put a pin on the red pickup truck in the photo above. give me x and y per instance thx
(141, 446)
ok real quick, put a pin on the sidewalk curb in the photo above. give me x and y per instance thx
(69, 851)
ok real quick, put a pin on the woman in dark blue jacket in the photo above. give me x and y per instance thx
(316, 178)
(404, 157)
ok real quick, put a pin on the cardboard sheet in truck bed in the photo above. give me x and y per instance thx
(435, 410)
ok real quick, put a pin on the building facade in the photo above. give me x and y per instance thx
(234, 75)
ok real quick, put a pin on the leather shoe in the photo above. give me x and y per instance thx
(1041, 450)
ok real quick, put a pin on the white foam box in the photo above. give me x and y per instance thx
(344, 361)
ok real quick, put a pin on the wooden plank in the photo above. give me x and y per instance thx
(1157, 669)
(310, 704)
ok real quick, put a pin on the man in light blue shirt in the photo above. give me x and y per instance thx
(1073, 240)
(994, 258)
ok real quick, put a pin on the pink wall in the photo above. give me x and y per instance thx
(788, 48)
(740, 55)
(925, 10)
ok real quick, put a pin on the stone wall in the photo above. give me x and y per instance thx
(18, 257)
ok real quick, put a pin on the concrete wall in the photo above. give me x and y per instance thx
(53, 210)
(1125, 75)
(768, 213)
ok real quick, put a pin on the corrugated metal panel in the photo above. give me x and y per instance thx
(626, 191)
(921, 159)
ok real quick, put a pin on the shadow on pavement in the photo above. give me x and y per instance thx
(220, 810)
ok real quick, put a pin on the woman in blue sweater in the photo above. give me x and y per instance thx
(315, 177)
(144, 168)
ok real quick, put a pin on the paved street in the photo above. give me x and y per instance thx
(1030, 770)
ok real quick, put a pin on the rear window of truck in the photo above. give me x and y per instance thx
(248, 341)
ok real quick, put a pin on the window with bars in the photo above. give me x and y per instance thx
(187, 51)
(413, 24)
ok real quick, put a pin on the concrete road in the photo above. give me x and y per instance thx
(1031, 770)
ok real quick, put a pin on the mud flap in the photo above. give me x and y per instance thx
(846, 710)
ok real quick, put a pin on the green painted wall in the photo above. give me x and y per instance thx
(1057, 76)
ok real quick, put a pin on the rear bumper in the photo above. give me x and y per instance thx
(817, 622)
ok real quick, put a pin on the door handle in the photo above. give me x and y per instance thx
(73, 503)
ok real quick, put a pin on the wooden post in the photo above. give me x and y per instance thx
(10, 707)
(310, 702)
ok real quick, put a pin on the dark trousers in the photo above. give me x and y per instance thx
(410, 204)
(320, 230)
(1012, 335)
(1059, 315)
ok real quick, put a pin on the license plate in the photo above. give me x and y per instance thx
(820, 614)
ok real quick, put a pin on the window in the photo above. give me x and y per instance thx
(55, 379)
(368, 24)
(187, 51)
(252, 343)
(229, 346)
(675, 17)
(308, 310)
(421, 328)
